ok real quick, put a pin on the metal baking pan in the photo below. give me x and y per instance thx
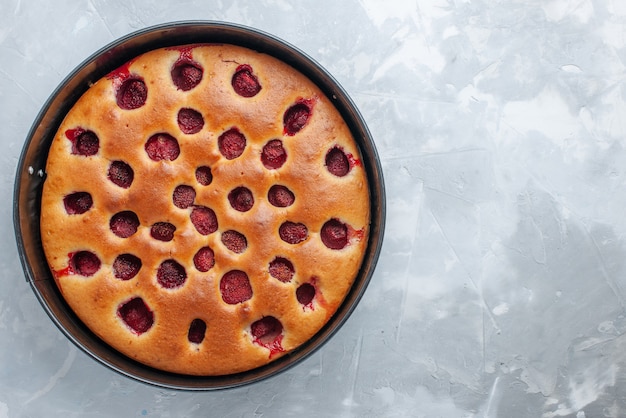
(30, 177)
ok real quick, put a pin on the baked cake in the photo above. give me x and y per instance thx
(205, 209)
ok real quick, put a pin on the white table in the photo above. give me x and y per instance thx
(501, 286)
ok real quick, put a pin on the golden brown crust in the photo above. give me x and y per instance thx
(228, 346)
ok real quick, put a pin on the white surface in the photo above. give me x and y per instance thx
(501, 287)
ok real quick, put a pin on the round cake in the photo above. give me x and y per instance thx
(205, 209)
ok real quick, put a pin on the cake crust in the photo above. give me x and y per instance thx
(94, 229)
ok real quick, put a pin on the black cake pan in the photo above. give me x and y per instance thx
(31, 174)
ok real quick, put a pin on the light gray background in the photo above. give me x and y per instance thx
(501, 287)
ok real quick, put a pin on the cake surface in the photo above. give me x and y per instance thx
(205, 209)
